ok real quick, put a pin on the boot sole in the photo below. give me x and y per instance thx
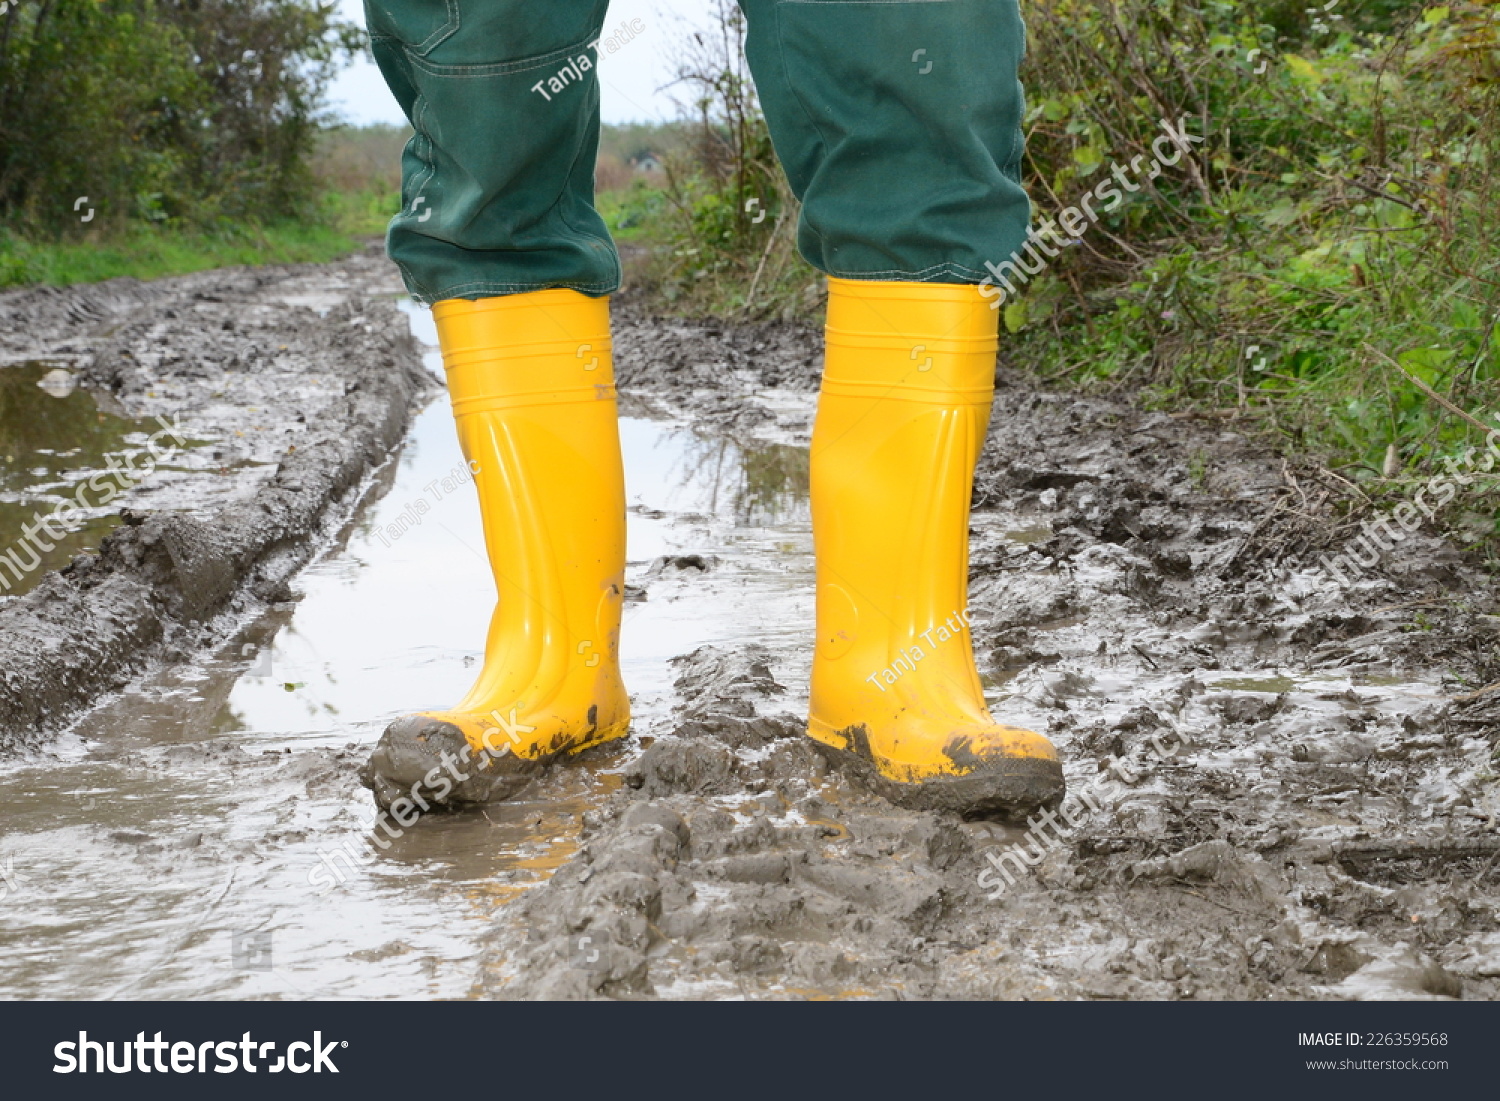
(1006, 789)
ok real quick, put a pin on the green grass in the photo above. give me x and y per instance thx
(145, 251)
(632, 213)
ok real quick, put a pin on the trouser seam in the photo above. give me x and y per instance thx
(489, 288)
(508, 68)
(892, 275)
(413, 284)
(425, 143)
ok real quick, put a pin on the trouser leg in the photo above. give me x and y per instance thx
(498, 179)
(498, 228)
(899, 125)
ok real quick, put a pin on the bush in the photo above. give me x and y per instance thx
(161, 109)
(726, 232)
(1329, 259)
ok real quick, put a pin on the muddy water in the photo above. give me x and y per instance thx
(60, 445)
(167, 848)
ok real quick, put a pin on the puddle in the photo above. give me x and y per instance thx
(62, 447)
(167, 849)
(1028, 536)
(1273, 685)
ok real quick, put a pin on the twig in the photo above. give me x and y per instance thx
(1209, 414)
(1411, 604)
(1377, 193)
(1485, 691)
(1458, 848)
(764, 256)
(1291, 480)
(1213, 902)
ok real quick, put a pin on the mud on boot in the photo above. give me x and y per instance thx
(538, 423)
(432, 762)
(896, 698)
(995, 785)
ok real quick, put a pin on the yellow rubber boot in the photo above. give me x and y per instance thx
(531, 379)
(901, 418)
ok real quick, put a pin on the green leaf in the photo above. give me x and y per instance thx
(1283, 213)
(1303, 69)
(1088, 158)
(1425, 363)
(1015, 316)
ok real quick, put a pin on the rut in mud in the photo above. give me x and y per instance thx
(1281, 787)
(276, 392)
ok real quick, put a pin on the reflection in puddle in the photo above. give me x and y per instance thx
(719, 477)
(185, 819)
(62, 446)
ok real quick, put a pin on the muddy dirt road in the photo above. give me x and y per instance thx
(1281, 787)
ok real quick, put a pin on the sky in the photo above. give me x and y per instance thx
(630, 80)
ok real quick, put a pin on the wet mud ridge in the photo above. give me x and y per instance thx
(278, 391)
(1280, 787)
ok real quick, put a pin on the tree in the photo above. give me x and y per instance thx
(162, 108)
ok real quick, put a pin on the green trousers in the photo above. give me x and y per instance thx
(898, 123)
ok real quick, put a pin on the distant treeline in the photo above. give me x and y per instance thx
(193, 110)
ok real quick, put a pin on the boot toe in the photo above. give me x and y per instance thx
(429, 760)
(1001, 773)
(1011, 788)
(407, 752)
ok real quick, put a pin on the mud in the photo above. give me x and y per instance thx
(1322, 824)
(285, 387)
(1293, 783)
